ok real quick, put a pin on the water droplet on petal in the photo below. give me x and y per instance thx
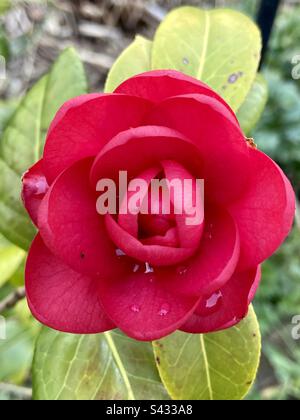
(120, 253)
(182, 270)
(210, 305)
(164, 310)
(135, 308)
(41, 187)
(208, 235)
(213, 300)
(186, 61)
(149, 269)
(136, 268)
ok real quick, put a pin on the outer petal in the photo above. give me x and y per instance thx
(158, 85)
(219, 139)
(71, 227)
(34, 189)
(226, 307)
(61, 298)
(265, 213)
(142, 308)
(84, 125)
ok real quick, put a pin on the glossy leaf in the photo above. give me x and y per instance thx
(11, 258)
(218, 366)
(220, 47)
(16, 351)
(250, 112)
(97, 367)
(23, 140)
(134, 60)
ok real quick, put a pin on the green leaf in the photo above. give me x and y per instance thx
(4, 6)
(218, 366)
(220, 47)
(7, 109)
(4, 48)
(23, 140)
(16, 351)
(250, 112)
(11, 258)
(106, 366)
(134, 60)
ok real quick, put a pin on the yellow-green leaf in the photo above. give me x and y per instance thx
(11, 258)
(220, 47)
(218, 366)
(23, 140)
(254, 105)
(107, 366)
(134, 60)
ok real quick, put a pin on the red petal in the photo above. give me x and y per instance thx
(71, 227)
(266, 211)
(144, 147)
(158, 85)
(142, 308)
(85, 125)
(169, 239)
(189, 234)
(227, 307)
(221, 144)
(157, 255)
(34, 189)
(215, 261)
(61, 298)
(128, 220)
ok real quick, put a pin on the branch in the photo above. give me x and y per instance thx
(14, 392)
(11, 300)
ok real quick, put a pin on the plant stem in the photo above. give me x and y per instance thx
(11, 300)
(14, 392)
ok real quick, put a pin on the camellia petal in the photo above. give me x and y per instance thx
(144, 147)
(219, 139)
(158, 85)
(71, 227)
(265, 213)
(142, 308)
(226, 307)
(214, 263)
(61, 298)
(84, 126)
(189, 203)
(34, 189)
(156, 255)
(128, 217)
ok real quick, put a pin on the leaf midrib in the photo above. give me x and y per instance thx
(118, 360)
(207, 369)
(205, 45)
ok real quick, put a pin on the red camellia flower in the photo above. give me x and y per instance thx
(150, 275)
